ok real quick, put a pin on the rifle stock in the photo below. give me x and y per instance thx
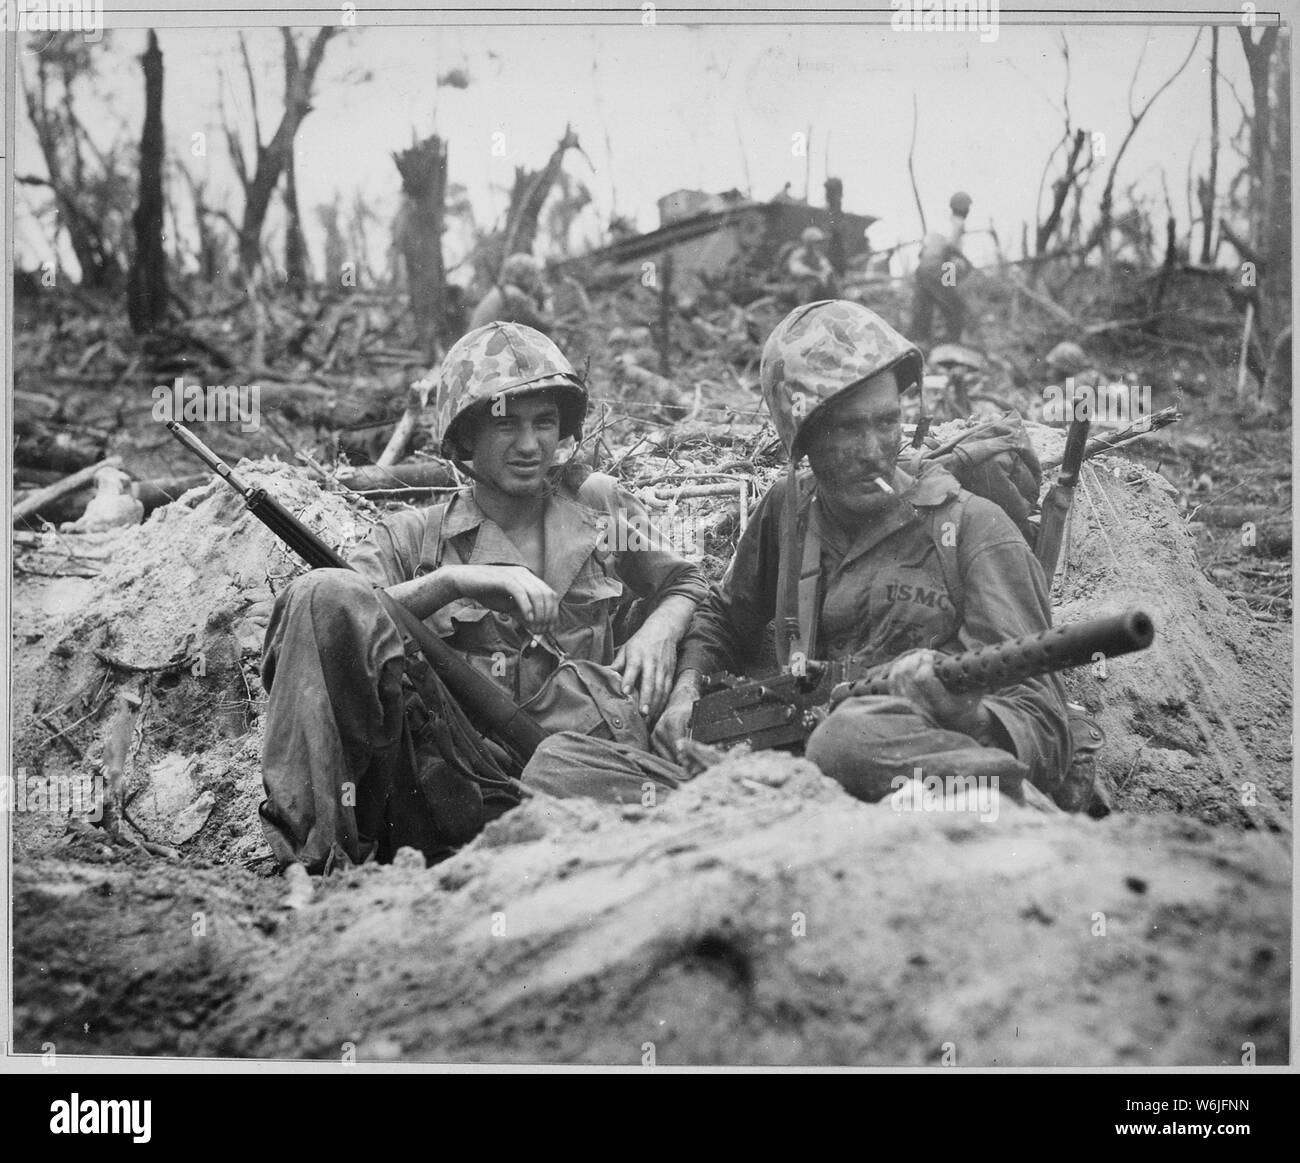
(782, 710)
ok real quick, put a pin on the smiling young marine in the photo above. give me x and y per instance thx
(522, 575)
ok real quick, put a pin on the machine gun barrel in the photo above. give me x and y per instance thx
(782, 710)
(991, 667)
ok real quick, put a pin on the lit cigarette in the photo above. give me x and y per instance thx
(884, 486)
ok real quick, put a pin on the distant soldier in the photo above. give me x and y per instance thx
(520, 296)
(808, 265)
(942, 265)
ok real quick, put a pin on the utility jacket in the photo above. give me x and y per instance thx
(600, 552)
(884, 592)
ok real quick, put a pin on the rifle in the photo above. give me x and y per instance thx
(488, 707)
(1060, 497)
(782, 710)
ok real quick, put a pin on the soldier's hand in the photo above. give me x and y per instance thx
(647, 660)
(912, 676)
(510, 589)
(671, 728)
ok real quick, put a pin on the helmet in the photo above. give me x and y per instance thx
(959, 204)
(811, 235)
(819, 350)
(502, 359)
(1067, 358)
(523, 270)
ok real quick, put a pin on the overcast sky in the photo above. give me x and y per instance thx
(662, 108)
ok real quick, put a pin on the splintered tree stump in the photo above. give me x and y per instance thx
(146, 295)
(418, 234)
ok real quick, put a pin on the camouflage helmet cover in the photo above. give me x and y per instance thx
(494, 362)
(819, 350)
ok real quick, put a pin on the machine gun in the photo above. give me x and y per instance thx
(782, 710)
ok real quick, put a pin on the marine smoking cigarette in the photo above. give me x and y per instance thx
(884, 486)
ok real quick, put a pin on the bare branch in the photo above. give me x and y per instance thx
(252, 94)
(1137, 121)
(1137, 70)
(1065, 96)
(911, 173)
(317, 50)
(1241, 105)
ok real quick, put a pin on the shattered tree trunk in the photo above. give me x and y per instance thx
(1060, 192)
(100, 268)
(835, 206)
(1270, 177)
(418, 234)
(528, 197)
(146, 297)
(1167, 270)
(1206, 189)
(328, 215)
(297, 268)
(209, 247)
(1258, 55)
(272, 159)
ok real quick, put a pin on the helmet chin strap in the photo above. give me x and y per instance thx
(787, 621)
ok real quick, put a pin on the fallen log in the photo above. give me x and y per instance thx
(32, 504)
(417, 397)
(155, 494)
(417, 474)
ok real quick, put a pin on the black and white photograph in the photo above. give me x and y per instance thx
(635, 538)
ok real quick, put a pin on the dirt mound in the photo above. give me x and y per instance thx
(761, 916)
(1199, 723)
(176, 618)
